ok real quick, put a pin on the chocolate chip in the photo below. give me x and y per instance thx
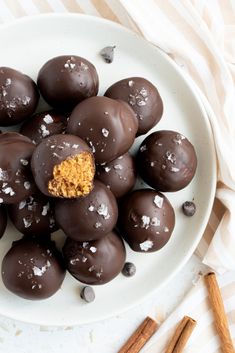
(107, 54)
(189, 208)
(129, 269)
(88, 294)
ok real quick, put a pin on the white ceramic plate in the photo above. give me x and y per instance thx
(26, 45)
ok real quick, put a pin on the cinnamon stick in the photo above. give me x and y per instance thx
(181, 335)
(217, 305)
(141, 335)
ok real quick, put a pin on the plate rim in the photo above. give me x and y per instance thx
(196, 93)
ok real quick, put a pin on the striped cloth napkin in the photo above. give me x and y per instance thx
(199, 36)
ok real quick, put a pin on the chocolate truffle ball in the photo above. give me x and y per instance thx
(143, 97)
(18, 96)
(33, 270)
(146, 220)
(109, 126)
(119, 175)
(16, 182)
(66, 80)
(3, 220)
(95, 262)
(90, 217)
(44, 124)
(167, 160)
(63, 166)
(33, 216)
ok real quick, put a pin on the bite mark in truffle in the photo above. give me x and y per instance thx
(73, 177)
(63, 166)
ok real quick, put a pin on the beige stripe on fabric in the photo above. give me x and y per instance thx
(104, 10)
(43, 6)
(72, 6)
(218, 208)
(208, 234)
(182, 25)
(88, 8)
(122, 15)
(15, 7)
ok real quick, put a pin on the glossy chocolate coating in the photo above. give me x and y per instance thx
(167, 160)
(143, 97)
(50, 152)
(95, 262)
(88, 218)
(18, 96)
(146, 220)
(66, 80)
(119, 175)
(33, 270)
(33, 216)
(44, 124)
(3, 220)
(16, 182)
(109, 126)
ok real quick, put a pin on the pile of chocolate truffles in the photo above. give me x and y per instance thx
(70, 168)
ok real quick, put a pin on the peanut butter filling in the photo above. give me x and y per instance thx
(73, 177)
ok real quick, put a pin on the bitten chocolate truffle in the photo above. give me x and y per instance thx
(167, 160)
(90, 217)
(44, 124)
(119, 175)
(33, 270)
(107, 125)
(143, 97)
(66, 80)
(16, 182)
(33, 216)
(146, 220)
(18, 96)
(63, 166)
(95, 262)
(3, 220)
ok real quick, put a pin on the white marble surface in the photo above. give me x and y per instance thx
(101, 337)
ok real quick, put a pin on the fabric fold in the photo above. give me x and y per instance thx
(191, 41)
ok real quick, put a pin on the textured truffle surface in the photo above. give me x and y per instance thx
(107, 125)
(16, 181)
(33, 216)
(119, 175)
(44, 124)
(90, 217)
(95, 262)
(3, 220)
(66, 80)
(33, 270)
(146, 220)
(18, 96)
(143, 97)
(167, 160)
